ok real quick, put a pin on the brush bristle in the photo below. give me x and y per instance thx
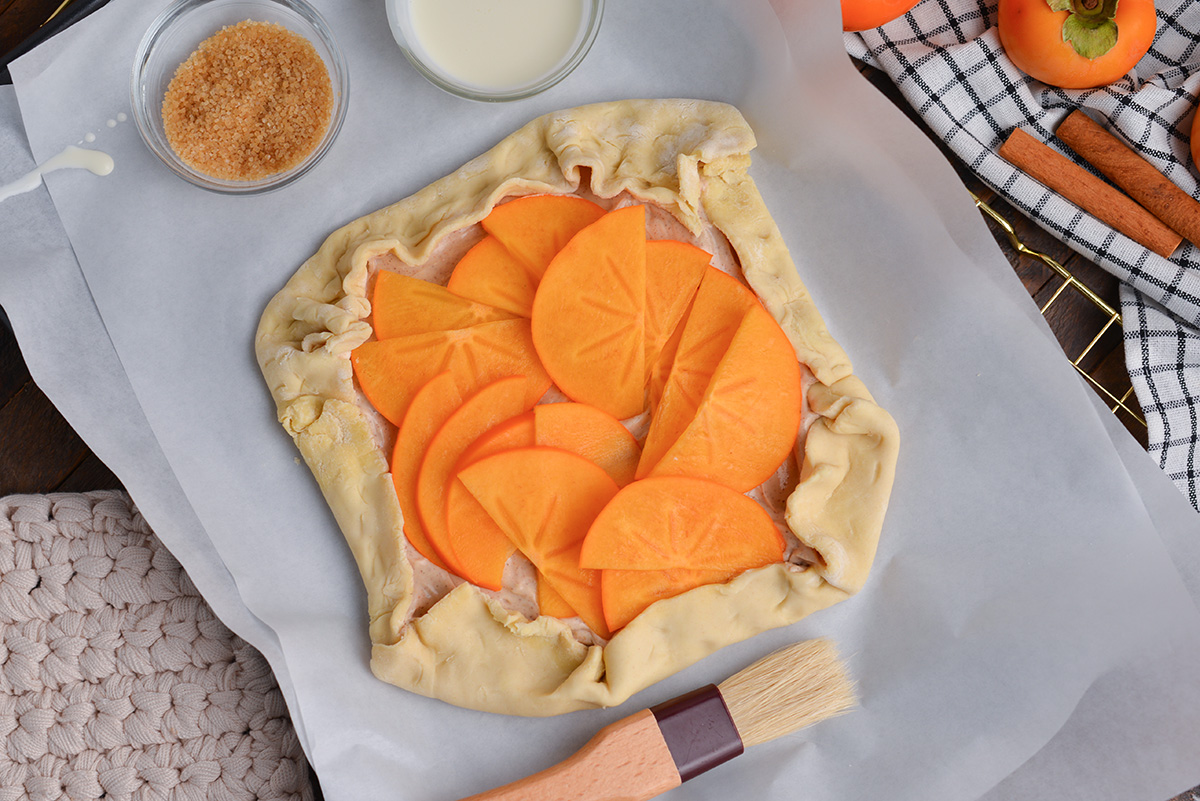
(787, 690)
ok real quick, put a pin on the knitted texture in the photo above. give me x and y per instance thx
(116, 679)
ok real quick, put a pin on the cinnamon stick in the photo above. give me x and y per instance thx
(1138, 177)
(1088, 192)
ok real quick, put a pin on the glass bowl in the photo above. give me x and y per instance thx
(439, 58)
(174, 36)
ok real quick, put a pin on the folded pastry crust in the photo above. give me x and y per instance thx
(469, 647)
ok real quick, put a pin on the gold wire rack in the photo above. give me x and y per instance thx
(1125, 401)
(1120, 400)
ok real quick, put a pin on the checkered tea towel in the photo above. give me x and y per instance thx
(946, 59)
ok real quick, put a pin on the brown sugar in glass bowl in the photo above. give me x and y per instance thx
(239, 97)
(252, 101)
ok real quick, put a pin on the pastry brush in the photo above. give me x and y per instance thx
(656, 749)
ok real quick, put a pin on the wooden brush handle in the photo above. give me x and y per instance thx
(625, 761)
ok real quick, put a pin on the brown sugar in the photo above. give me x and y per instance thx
(253, 100)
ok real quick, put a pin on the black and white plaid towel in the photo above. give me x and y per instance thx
(946, 59)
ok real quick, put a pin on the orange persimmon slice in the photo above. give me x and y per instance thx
(430, 407)
(504, 268)
(588, 314)
(660, 371)
(475, 548)
(659, 537)
(589, 432)
(483, 561)
(669, 522)
(673, 273)
(545, 499)
(390, 371)
(489, 273)
(516, 432)
(535, 228)
(402, 305)
(467, 523)
(717, 311)
(576, 427)
(625, 594)
(747, 422)
(550, 603)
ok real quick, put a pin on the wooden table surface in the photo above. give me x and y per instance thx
(40, 452)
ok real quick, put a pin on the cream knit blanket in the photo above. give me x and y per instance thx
(116, 679)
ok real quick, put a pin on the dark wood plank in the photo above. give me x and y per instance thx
(13, 373)
(39, 451)
(1096, 278)
(1112, 374)
(1074, 319)
(91, 474)
(20, 18)
(38, 448)
(1083, 328)
(1033, 272)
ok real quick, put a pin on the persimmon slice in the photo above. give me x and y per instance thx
(402, 305)
(720, 304)
(484, 559)
(476, 548)
(545, 499)
(516, 432)
(660, 537)
(588, 314)
(625, 594)
(589, 432)
(576, 427)
(535, 228)
(524, 235)
(390, 371)
(467, 523)
(432, 404)
(673, 273)
(678, 522)
(550, 602)
(489, 273)
(747, 422)
(660, 370)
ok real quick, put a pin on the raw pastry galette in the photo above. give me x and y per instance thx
(576, 414)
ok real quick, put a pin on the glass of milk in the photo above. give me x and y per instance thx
(494, 50)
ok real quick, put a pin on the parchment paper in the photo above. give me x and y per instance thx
(1021, 573)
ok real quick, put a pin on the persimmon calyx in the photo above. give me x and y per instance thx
(1090, 27)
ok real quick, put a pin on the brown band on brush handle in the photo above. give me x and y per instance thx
(1125, 168)
(1088, 192)
(699, 731)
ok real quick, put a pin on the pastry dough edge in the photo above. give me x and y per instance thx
(309, 328)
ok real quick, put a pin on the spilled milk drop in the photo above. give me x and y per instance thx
(94, 161)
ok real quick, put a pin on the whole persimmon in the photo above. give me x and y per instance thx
(1195, 141)
(1076, 44)
(863, 15)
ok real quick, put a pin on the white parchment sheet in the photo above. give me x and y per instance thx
(1025, 632)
